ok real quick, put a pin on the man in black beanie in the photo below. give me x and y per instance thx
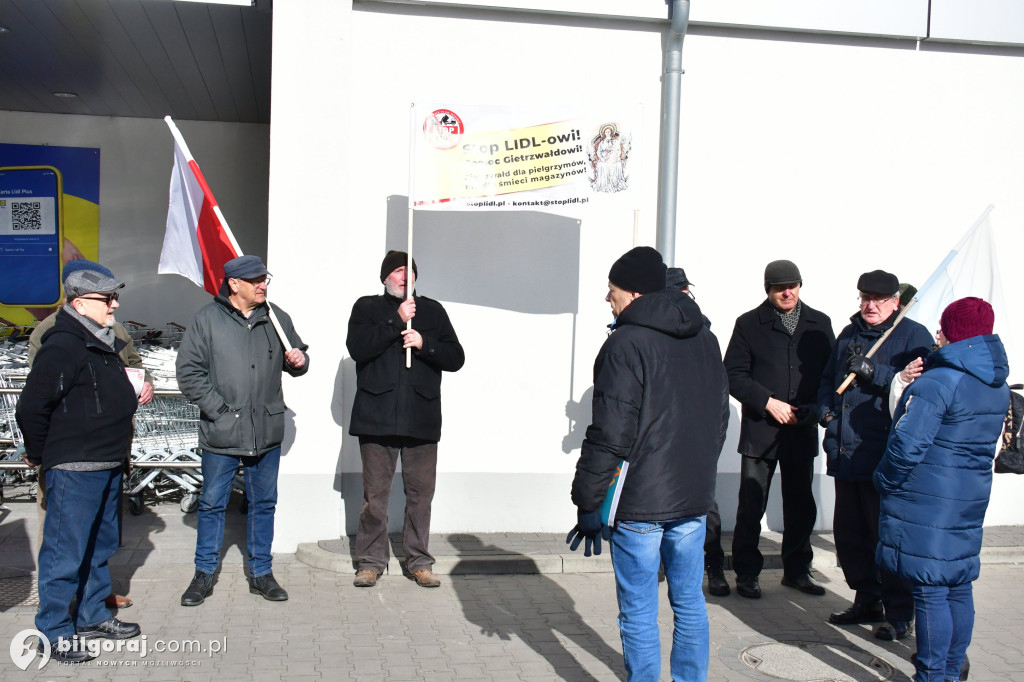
(661, 406)
(397, 413)
(856, 431)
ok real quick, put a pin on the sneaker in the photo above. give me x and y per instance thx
(111, 628)
(62, 652)
(426, 578)
(366, 577)
(198, 590)
(717, 585)
(267, 587)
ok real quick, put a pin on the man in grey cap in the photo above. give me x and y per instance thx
(856, 431)
(75, 413)
(230, 364)
(774, 361)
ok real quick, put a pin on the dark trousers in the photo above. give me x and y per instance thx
(855, 525)
(798, 513)
(714, 555)
(419, 474)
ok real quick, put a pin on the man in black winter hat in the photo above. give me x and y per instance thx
(856, 431)
(774, 360)
(668, 425)
(397, 413)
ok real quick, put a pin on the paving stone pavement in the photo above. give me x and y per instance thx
(542, 626)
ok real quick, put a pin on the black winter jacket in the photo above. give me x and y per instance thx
(78, 402)
(661, 402)
(390, 399)
(856, 436)
(763, 361)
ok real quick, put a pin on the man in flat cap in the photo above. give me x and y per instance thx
(775, 359)
(397, 414)
(714, 555)
(661, 405)
(856, 431)
(230, 364)
(75, 413)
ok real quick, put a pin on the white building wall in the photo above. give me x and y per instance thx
(843, 154)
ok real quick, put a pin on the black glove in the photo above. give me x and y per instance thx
(863, 367)
(589, 527)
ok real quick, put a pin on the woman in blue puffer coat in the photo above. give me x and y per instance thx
(935, 480)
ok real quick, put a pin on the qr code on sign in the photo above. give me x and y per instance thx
(26, 215)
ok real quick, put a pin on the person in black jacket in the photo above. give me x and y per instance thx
(661, 405)
(856, 432)
(75, 414)
(774, 361)
(397, 413)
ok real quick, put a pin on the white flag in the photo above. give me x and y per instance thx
(970, 269)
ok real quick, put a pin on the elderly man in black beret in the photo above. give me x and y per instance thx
(856, 431)
(397, 413)
(774, 360)
(230, 364)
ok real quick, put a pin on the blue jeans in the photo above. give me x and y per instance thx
(260, 475)
(638, 549)
(79, 537)
(945, 619)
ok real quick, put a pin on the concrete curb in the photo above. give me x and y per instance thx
(314, 555)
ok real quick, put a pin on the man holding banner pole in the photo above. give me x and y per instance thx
(397, 413)
(856, 422)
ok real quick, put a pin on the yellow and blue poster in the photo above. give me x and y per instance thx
(49, 215)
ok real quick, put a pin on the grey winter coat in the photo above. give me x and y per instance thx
(230, 366)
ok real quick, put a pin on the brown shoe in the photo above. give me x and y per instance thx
(426, 578)
(365, 578)
(117, 601)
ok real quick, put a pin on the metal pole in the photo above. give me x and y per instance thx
(668, 171)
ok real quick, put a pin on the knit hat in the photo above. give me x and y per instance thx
(640, 270)
(86, 277)
(781, 272)
(394, 260)
(675, 279)
(878, 282)
(967, 317)
(244, 267)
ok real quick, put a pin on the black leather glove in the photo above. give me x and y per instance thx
(863, 367)
(588, 527)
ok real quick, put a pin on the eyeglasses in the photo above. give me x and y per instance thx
(864, 300)
(265, 279)
(106, 298)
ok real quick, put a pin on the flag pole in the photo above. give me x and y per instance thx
(928, 283)
(180, 140)
(409, 279)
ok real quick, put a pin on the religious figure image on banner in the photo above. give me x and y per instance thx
(608, 157)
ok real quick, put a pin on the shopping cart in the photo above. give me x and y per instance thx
(164, 456)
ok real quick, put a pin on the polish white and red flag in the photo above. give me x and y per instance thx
(196, 243)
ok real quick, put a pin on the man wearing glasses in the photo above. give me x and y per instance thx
(856, 431)
(76, 416)
(230, 364)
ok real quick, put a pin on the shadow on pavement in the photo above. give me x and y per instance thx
(542, 615)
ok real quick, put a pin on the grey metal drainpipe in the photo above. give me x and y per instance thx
(668, 169)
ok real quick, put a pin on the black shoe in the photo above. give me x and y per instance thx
(111, 628)
(747, 586)
(805, 584)
(65, 653)
(717, 584)
(893, 630)
(198, 590)
(859, 613)
(965, 667)
(266, 586)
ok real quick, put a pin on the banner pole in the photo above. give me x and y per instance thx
(180, 140)
(636, 226)
(408, 289)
